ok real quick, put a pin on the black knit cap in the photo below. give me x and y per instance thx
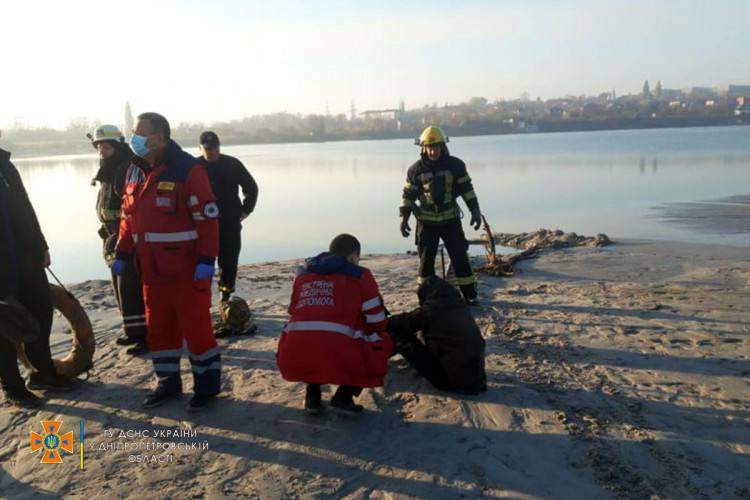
(209, 139)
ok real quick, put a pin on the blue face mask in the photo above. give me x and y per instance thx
(138, 143)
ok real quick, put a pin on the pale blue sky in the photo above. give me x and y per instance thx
(198, 60)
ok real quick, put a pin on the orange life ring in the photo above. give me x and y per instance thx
(81, 355)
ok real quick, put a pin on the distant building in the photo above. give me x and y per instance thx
(670, 94)
(735, 91)
(702, 93)
(742, 110)
(380, 114)
(128, 120)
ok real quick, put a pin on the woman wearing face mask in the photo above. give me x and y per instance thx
(114, 159)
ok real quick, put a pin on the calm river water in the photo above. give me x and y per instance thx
(589, 182)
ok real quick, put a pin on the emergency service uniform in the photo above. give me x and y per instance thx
(430, 193)
(111, 177)
(169, 225)
(336, 330)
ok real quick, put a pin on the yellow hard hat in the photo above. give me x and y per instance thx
(107, 133)
(432, 135)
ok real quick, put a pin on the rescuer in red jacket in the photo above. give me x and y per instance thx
(169, 227)
(336, 330)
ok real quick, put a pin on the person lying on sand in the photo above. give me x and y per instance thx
(451, 352)
(335, 333)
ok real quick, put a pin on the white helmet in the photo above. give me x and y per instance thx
(107, 133)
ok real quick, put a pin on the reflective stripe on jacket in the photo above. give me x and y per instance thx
(169, 217)
(432, 188)
(336, 329)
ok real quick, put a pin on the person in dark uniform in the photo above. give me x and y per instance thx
(227, 175)
(114, 159)
(24, 254)
(432, 185)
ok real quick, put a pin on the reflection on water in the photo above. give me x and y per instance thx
(654, 165)
(584, 182)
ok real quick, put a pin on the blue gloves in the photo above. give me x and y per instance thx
(118, 267)
(204, 271)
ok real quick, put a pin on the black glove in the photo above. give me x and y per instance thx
(476, 219)
(405, 229)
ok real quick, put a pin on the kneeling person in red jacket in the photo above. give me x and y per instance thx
(336, 330)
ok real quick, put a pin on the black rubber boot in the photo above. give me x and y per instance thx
(470, 294)
(200, 402)
(312, 399)
(343, 400)
(138, 349)
(23, 398)
(40, 382)
(159, 396)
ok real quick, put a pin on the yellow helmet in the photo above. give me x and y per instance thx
(432, 135)
(107, 133)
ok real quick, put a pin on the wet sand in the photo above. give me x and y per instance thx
(621, 371)
(725, 216)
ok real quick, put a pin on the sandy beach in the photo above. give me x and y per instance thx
(621, 371)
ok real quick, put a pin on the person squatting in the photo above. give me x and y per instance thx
(167, 216)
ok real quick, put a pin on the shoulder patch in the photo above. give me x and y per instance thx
(211, 210)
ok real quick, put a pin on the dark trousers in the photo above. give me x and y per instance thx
(230, 243)
(420, 358)
(34, 294)
(10, 377)
(36, 297)
(452, 234)
(343, 391)
(129, 293)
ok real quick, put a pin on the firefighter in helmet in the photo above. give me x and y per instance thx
(433, 184)
(114, 160)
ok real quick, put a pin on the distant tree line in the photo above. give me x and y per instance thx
(477, 116)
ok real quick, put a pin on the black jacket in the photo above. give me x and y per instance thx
(449, 333)
(227, 175)
(435, 186)
(22, 244)
(111, 177)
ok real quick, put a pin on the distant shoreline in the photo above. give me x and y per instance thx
(61, 148)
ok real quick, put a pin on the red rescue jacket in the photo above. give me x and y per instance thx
(336, 330)
(169, 218)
